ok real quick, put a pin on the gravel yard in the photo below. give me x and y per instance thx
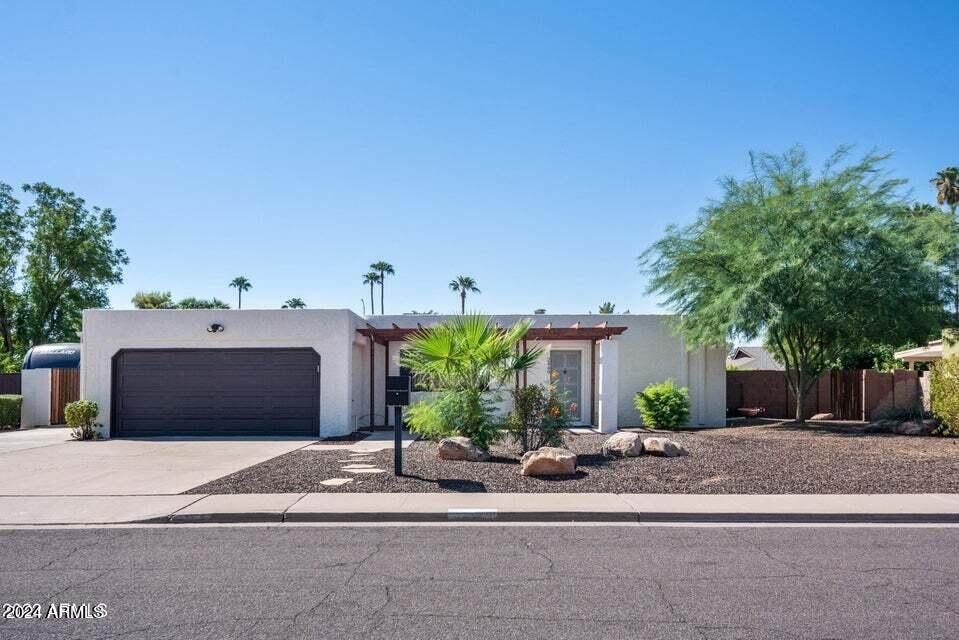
(753, 459)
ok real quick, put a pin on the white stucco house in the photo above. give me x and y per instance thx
(322, 372)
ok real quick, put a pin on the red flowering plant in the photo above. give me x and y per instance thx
(560, 409)
(539, 416)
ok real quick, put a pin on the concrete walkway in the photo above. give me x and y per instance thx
(502, 507)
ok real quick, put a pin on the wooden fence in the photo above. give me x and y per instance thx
(849, 395)
(64, 388)
(9, 383)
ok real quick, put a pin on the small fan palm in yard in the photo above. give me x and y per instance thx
(465, 359)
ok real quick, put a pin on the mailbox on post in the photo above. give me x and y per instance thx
(398, 391)
(398, 396)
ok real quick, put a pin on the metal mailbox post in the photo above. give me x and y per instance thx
(398, 395)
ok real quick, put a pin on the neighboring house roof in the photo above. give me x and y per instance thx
(753, 359)
(932, 351)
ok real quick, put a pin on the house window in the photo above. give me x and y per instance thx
(415, 384)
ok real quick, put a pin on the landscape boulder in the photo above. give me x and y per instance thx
(903, 428)
(623, 445)
(823, 416)
(915, 427)
(663, 447)
(460, 448)
(549, 461)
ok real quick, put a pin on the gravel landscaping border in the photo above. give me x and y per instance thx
(763, 459)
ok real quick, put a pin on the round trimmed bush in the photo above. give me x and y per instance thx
(663, 405)
(81, 417)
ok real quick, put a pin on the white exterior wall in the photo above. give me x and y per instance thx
(647, 352)
(329, 332)
(35, 389)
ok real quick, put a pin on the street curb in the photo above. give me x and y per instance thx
(540, 516)
(624, 517)
(801, 518)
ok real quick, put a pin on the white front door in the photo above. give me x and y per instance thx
(568, 366)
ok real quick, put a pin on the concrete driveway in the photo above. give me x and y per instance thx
(19, 439)
(155, 466)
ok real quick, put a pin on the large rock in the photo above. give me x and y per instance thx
(663, 447)
(623, 444)
(549, 461)
(915, 427)
(460, 448)
(882, 426)
(907, 428)
(823, 416)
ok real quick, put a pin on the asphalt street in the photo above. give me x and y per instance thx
(482, 582)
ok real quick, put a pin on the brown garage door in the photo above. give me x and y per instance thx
(216, 392)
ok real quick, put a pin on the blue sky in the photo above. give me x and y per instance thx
(536, 146)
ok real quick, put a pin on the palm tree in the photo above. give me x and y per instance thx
(946, 183)
(607, 307)
(371, 278)
(294, 303)
(385, 268)
(464, 285)
(463, 358)
(241, 284)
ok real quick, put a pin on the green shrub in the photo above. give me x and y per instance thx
(456, 413)
(944, 392)
(10, 411)
(81, 418)
(538, 417)
(664, 405)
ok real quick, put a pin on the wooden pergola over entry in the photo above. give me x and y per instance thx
(548, 333)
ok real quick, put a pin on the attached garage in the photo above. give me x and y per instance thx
(216, 392)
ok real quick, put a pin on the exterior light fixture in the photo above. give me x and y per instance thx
(215, 328)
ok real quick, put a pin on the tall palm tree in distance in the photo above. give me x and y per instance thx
(464, 285)
(385, 269)
(946, 183)
(241, 284)
(371, 278)
(294, 303)
(607, 307)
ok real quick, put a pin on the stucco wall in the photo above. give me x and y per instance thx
(35, 388)
(649, 352)
(329, 332)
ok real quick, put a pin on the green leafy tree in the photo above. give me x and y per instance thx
(819, 265)
(70, 262)
(385, 269)
(294, 303)
(153, 300)
(201, 303)
(466, 359)
(464, 285)
(241, 284)
(12, 228)
(607, 307)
